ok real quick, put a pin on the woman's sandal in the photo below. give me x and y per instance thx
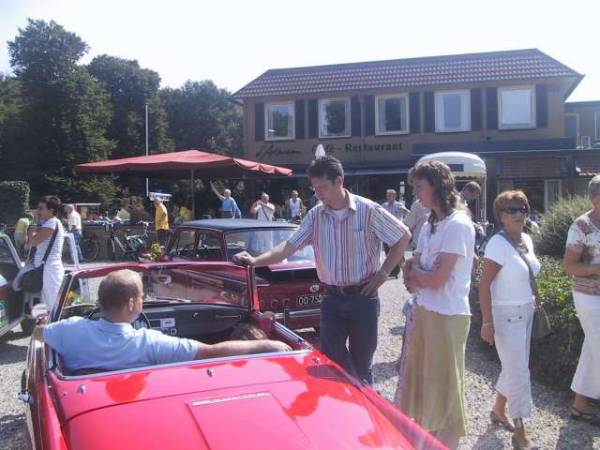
(496, 420)
(591, 418)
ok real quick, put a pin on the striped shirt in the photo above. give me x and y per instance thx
(348, 249)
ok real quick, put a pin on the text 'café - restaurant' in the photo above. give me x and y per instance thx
(379, 117)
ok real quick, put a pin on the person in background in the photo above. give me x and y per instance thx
(393, 206)
(432, 391)
(263, 209)
(396, 209)
(185, 214)
(74, 226)
(582, 261)
(417, 215)
(49, 208)
(20, 235)
(507, 304)
(229, 207)
(295, 207)
(161, 221)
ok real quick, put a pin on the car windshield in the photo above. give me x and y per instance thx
(223, 285)
(259, 241)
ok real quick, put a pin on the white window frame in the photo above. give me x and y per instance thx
(577, 123)
(597, 125)
(379, 132)
(546, 192)
(517, 126)
(292, 108)
(321, 115)
(439, 112)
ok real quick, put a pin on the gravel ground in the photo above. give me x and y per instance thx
(550, 426)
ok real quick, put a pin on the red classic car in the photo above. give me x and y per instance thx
(290, 289)
(293, 400)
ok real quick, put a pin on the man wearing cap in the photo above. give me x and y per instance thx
(346, 232)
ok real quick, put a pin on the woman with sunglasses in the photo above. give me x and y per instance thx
(582, 261)
(48, 208)
(507, 305)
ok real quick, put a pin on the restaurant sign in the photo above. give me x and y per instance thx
(283, 149)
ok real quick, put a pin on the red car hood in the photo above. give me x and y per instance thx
(289, 402)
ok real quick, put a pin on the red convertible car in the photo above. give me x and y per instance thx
(290, 289)
(287, 400)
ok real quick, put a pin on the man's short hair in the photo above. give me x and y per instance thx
(51, 202)
(473, 187)
(327, 167)
(390, 191)
(117, 288)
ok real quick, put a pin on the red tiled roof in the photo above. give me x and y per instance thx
(404, 73)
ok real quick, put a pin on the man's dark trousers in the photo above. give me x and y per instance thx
(351, 317)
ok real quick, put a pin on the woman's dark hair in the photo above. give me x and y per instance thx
(52, 202)
(327, 167)
(439, 176)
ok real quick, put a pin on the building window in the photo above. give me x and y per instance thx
(597, 126)
(452, 111)
(391, 114)
(279, 121)
(334, 117)
(552, 190)
(516, 108)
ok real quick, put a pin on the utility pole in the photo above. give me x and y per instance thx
(146, 145)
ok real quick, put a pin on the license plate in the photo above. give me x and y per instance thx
(310, 299)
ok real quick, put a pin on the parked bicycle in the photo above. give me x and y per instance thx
(89, 248)
(133, 246)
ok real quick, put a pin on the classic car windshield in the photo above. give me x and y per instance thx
(259, 241)
(223, 285)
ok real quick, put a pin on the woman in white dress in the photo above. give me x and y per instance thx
(582, 261)
(48, 209)
(507, 304)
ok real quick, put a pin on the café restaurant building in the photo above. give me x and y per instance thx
(379, 117)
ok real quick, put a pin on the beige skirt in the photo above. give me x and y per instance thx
(432, 389)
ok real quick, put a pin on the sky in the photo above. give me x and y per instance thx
(232, 43)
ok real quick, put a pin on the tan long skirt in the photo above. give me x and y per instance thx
(432, 388)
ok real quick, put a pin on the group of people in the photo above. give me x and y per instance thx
(346, 232)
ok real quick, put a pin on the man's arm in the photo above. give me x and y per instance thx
(275, 255)
(214, 189)
(232, 348)
(393, 259)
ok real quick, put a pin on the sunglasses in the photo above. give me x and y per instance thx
(516, 209)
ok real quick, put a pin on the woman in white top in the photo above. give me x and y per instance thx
(48, 208)
(582, 261)
(295, 206)
(507, 304)
(432, 387)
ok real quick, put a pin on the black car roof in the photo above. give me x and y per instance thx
(235, 224)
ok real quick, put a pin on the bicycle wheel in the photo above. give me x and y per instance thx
(89, 249)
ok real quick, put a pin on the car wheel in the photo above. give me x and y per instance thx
(27, 325)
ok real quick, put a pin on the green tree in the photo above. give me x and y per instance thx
(130, 87)
(202, 116)
(66, 113)
(11, 110)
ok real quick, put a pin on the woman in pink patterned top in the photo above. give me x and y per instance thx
(582, 261)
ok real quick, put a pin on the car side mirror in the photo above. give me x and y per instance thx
(39, 310)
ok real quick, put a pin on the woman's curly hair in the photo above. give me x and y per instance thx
(439, 176)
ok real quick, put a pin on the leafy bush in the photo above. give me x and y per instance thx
(556, 222)
(14, 198)
(554, 359)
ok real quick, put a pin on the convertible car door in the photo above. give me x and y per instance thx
(11, 303)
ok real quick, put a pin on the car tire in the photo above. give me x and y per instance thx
(27, 325)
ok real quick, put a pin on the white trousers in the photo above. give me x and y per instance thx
(53, 278)
(512, 334)
(586, 381)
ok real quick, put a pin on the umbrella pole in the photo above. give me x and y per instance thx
(193, 196)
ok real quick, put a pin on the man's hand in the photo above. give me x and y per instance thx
(374, 283)
(487, 333)
(279, 346)
(244, 259)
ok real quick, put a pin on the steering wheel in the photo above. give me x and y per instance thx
(139, 323)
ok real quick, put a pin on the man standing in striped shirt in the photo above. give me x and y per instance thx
(346, 232)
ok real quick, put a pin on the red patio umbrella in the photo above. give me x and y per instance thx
(189, 162)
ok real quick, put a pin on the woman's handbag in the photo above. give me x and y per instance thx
(33, 280)
(541, 326)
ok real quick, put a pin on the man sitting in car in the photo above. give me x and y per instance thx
(111, 342)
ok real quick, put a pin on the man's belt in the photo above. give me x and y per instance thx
(353, 289)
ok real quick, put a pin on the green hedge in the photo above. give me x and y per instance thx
(14, 198)
(555, 225)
